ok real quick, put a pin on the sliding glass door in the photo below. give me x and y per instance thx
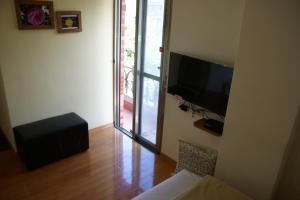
(151, 32)
(143, 50)
(125, 42)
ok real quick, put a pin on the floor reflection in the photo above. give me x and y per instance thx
(136, 166)
(148, 123)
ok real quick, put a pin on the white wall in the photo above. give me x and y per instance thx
(207, 29)
(264, 97)
(47, 74)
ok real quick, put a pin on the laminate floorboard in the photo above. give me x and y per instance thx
(114, 167)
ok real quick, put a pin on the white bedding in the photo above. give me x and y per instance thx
(170, 188)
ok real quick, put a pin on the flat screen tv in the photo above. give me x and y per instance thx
(200, 82)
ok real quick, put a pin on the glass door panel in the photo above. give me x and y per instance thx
(127, 57)
(149, 109)
(151, 68)
(153, 36)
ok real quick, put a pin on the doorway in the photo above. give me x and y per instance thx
(140, 37)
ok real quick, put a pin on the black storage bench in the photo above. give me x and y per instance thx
(51, 139)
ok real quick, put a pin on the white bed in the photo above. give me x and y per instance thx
(170, 188)
(186, 185)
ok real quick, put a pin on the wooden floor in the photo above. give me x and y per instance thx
(115, 167)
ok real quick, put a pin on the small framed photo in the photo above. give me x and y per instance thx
(34, 14)
(68, 21)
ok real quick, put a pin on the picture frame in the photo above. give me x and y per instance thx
(68, 21)
(33, 14)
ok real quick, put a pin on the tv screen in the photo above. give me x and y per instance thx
(200, 82)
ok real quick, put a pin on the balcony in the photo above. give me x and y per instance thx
(149, 108)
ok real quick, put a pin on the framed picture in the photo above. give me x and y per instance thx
(68, 21)
(34, 14)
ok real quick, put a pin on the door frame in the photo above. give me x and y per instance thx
(137, 77)
(164, 73)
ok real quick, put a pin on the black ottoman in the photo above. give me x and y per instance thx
(51, 139)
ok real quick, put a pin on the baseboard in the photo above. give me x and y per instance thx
(168, 159)
(99, 128)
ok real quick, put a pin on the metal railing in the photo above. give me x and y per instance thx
(128, 81)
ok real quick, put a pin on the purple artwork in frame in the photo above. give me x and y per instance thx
(35, 14)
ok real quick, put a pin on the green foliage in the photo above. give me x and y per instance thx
(129, 54)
